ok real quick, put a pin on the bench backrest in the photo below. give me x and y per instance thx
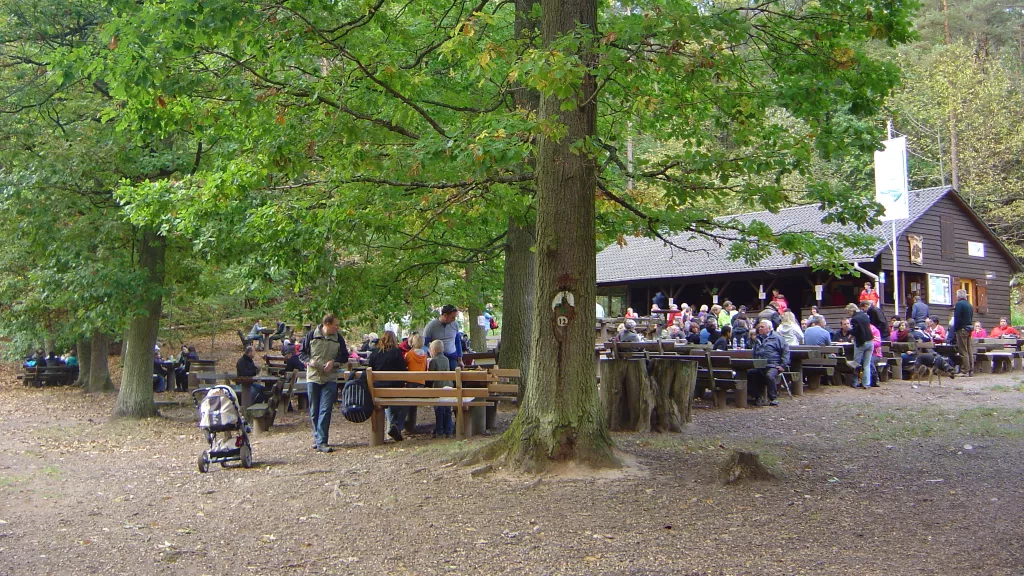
(458, 376)
(503, 380)
(203, 366)
(215, 376)
(733, 353)
(53, 369)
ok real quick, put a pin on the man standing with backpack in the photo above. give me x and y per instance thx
(863, 344)
(323, 349)
(963, 323)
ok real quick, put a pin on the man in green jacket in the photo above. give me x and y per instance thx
(323, 350)
(963, 323)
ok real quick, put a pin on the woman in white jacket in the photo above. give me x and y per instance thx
(790, 329)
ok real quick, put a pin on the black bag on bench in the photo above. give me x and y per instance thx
(356, 401)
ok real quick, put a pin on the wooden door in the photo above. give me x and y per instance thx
(982, 300)
(972, 291)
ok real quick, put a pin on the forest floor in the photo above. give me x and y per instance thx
(897, 480)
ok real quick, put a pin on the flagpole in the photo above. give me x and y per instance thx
(895, 248)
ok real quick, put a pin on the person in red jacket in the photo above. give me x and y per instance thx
(869, 294)
(935, 330)
(1004, 330)
(780, 301)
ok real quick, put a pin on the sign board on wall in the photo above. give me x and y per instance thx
(976, 249)
(939, 290)
(916, 249)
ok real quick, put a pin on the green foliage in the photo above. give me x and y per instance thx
(359, 156)
(983, 93)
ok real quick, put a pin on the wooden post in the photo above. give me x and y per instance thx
(460, 413)
(377, 427)
(491, 417)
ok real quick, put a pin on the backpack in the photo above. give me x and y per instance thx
(494, 323)
(356, 401)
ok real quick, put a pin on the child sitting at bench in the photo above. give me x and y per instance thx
(442, 414)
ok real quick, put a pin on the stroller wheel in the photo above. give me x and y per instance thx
(204, 463)
(245, 452)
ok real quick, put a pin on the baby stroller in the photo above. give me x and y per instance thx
(226, 430)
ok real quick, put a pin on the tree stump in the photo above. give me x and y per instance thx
(744, 466)
(672, 383)
(626, 395)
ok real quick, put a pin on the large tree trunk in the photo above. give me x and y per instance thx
(477, 333)
(83, 348)
(520, 269)
(99, 366)
(517, 301)
(561, 418)
(135, 399)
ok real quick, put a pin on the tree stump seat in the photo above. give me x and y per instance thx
(647, 395)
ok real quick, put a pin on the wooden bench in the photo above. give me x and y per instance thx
(197, 367)
(503, 387)
(285, 402)
(715, 373)
(814, 369)
(460, 398)
(289, 331)
(481, 359)
(247, 340)
(1018, 360)
(262, 414)
(994, 361)
(626, 350)
(274, 364)
(39, 376)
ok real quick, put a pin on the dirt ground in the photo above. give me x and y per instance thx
(898, 480)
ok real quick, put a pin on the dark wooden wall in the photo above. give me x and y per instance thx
(993, 272)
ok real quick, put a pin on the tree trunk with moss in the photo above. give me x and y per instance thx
(477, 333)
(520, 269)
(83, 347)
(561, 418)
(517, 301)
(135, 399)
(99, 367)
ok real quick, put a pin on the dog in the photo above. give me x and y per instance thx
(932, 364)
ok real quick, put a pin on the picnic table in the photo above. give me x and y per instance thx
(244, 382)
(266, 333)
(797, 356)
